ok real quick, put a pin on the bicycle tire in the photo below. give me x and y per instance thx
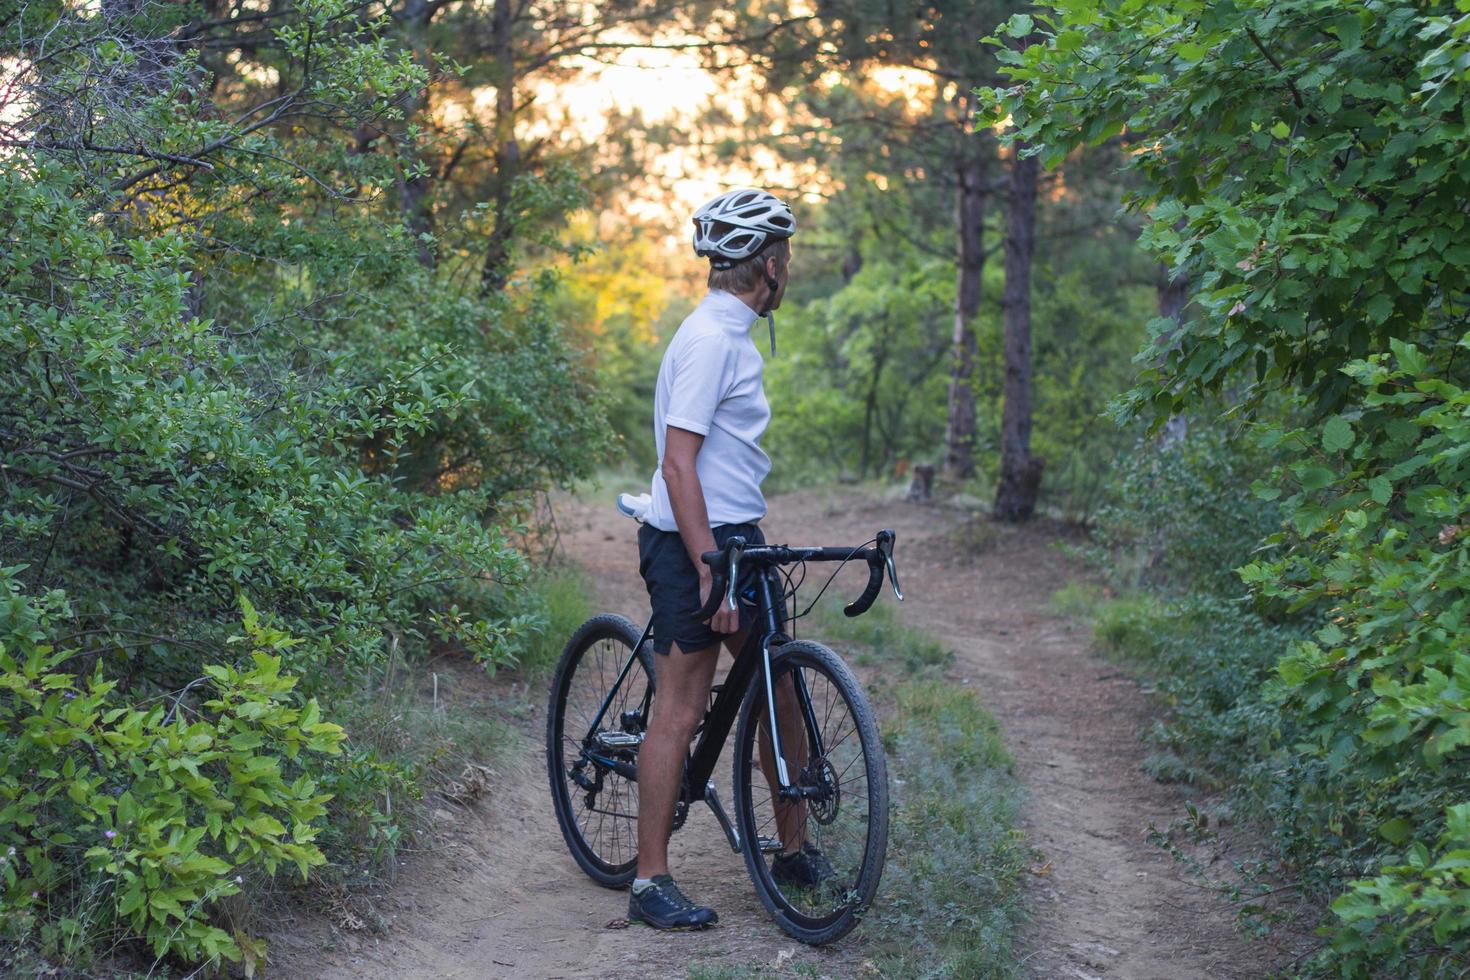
(857, 857)
(602, 838)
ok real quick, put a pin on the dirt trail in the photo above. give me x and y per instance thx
(500, 896)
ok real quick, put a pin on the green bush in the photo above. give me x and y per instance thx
(1382, 689)
(1180, 516)
(227, 370)
(140, 818)
(1208, 660)
(561, 599)
(1085, 330)
(1303, 164)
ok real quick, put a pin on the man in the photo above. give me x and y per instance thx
(710, 411)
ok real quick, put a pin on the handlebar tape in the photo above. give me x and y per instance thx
(716, 595)
(719, 581)
(875, 585)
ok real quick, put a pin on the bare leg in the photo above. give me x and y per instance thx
(682, 690)
(790, 814)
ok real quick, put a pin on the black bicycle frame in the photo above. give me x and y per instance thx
(754, 655)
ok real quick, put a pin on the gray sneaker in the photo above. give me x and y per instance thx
(663, 906)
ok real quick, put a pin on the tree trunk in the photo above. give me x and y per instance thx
(1020, 472)
(870, 407)
(495, 271)
(1173, 294)
(959, 440)
(1173, 297)
(414, 179)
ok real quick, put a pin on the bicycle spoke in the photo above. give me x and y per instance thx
(835, 817)
(598, 806)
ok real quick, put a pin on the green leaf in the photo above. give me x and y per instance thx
(1337, 434)
(1315, 477)
(132, 899)
(1379, 307)
(1308, 519)
(1397, 830)
(1411, 360)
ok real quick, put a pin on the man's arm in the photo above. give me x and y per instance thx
(686, 497)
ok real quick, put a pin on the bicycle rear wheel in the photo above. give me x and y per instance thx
(593, 761)
(836, 760)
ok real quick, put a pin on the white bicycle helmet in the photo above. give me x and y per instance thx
(738, 224)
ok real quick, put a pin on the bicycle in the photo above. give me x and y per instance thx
(830, 776)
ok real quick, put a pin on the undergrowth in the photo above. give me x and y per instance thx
(950, 901)
(877, 638)
(436, 728)
(561, 598)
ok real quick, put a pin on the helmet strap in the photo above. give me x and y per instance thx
(774, 286)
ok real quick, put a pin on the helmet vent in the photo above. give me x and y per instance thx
(738, 224)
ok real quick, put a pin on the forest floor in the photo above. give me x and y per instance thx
(499, 896)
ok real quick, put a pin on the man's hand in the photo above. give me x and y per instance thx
(725, 619)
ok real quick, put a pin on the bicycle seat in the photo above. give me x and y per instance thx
(634, 505)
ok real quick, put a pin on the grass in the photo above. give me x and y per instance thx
(1077, 601)
(431, 725)
(950, 902)
(441, 726)
(876, 638)
(560, 596)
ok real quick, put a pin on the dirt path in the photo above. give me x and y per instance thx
(500, 896)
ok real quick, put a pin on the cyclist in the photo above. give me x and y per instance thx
(710, 411)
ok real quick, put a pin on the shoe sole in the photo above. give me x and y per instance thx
(693, 927)
(672, 929)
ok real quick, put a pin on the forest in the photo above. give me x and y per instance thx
(315, 313)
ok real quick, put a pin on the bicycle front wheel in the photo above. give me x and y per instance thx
(599, 710)
(836, 819)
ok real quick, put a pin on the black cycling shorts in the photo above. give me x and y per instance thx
(673, 586)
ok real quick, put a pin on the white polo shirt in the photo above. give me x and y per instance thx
(710, 382)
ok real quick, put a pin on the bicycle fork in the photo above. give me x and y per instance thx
(786, 789)
(712, 795)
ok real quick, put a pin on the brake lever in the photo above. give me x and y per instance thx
(737, 549)
(885, 548)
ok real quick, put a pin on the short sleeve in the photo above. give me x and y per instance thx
(697, 384)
